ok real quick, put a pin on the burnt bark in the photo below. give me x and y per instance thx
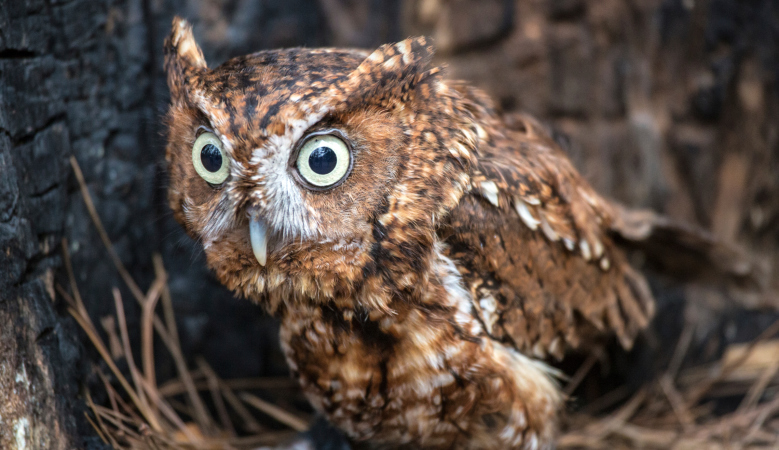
(82, 78)
(669, 104)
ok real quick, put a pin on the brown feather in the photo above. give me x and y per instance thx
(418, 295)
(544, 252)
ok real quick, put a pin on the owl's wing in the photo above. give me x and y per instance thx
(532, 243)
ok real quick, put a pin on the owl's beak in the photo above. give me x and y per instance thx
(258, 235)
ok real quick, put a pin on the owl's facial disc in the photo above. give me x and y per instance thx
(321, 161)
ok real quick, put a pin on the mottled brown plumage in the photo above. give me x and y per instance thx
(419, 294)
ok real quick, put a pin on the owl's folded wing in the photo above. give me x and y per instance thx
(532, 243)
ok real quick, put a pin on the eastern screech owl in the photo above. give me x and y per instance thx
(423, 252)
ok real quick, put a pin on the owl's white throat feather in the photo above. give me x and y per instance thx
(258, 235)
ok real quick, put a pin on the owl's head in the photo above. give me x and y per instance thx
(311, 173)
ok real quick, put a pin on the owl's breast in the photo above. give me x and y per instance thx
(369, 382)
(416, 380)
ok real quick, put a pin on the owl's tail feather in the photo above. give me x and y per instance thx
(691, 254)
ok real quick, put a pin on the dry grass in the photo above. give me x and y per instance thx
(173, 416)
(674, 411)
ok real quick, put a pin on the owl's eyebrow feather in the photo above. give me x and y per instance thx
(203, 129)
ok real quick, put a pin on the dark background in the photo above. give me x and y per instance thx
(667, 104)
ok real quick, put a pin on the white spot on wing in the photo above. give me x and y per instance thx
(531, 200)
(489, 190)
(547, 229)
(584, 246)
(488, 307)
(525, 214)
(597, 248)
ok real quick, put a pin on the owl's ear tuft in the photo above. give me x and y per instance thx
(182, 55)
(181, 47)
(394, 70)
(412, 54)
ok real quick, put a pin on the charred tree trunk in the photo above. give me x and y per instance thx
(670, 104)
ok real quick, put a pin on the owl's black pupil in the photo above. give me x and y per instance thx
(322, 160)
(211, 157)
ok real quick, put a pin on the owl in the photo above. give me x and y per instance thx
(426, 255)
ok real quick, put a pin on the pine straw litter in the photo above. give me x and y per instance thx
(200, 411)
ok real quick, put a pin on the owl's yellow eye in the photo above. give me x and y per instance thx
(209, 159)
(324, 160)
